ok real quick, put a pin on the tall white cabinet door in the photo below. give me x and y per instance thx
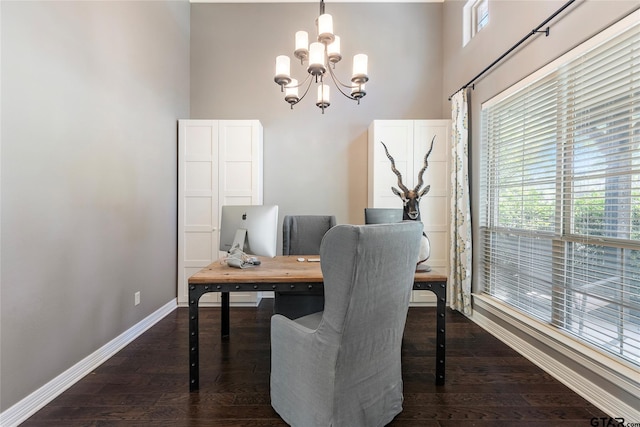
(434, 206)
(198, 234)
(397, 135)
(240, 162)
(240, 172)
(219, 162)
(408, 142)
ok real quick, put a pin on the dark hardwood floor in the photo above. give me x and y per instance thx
(146, 384)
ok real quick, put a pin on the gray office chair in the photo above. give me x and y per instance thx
(382, 215)
(301, 235)
(341, 367)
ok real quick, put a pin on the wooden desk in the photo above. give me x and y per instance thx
(282, 274)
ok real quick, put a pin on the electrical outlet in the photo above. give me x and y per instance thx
(136, 298)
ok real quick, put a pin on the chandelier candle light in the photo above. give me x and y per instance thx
(322, 56)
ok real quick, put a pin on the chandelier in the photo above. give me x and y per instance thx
(322, 57)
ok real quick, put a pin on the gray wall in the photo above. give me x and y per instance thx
(509, 22)
(314, 163)
(91, 92)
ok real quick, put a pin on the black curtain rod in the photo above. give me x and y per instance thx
(515, 46)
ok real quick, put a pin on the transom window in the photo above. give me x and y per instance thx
(475, 18)
(480, 14)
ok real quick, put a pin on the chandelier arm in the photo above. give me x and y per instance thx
(291, 100)
(338, 83)
(305, 91)
(309, 76)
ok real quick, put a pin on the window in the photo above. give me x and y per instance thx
(475, 16)
(480, 14)
(560, 222)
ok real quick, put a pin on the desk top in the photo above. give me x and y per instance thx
(281, 269)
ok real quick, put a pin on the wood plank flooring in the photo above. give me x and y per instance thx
(146, 383)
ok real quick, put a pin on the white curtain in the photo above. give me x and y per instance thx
(460, 271)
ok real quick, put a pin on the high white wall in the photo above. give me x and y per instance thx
(314, 163)
(91, 94)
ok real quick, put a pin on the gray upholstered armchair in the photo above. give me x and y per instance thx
(341, 366)
(301, 235)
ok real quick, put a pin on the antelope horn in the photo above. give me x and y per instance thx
(393, 168)
(424, 168)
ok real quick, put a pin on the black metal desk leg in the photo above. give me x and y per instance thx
(224, 313)
(441, 293)
(194, 370)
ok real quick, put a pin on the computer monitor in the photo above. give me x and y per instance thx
(253, 228)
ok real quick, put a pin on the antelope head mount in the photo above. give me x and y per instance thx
(410, 198)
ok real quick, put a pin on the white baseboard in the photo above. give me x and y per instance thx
(31, 404)
(622, 376)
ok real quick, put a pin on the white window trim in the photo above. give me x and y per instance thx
(466, 22)
(470, 21)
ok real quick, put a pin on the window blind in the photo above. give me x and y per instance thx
(560, 202)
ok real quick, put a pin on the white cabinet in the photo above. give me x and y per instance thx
(408, 141)
(219, 163)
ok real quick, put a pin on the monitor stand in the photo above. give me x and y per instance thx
(239, 239)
